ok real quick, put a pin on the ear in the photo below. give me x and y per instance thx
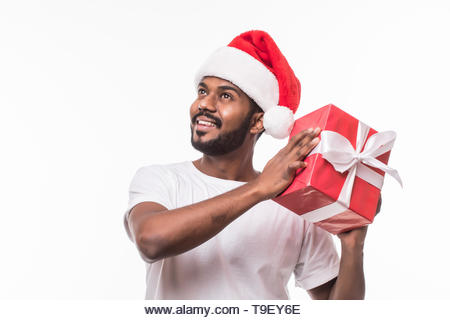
(257, 123)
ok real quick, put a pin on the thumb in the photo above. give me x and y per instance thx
(294, 166)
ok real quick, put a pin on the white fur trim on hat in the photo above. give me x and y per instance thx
(278, 121)
(246, 72)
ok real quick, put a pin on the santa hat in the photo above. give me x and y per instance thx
(253, 62)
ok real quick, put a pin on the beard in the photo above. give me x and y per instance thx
(226, 142)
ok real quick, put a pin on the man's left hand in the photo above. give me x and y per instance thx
(356, 237)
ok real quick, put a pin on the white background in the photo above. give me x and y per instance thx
(92, 90)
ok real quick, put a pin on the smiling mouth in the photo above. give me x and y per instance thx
(205, 123)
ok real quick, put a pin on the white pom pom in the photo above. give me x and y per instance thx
(278, 121)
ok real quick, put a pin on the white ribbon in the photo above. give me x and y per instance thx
(337, 150)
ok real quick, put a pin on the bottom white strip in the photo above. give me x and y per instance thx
(324, 212)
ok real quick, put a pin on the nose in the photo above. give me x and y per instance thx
(207, 103)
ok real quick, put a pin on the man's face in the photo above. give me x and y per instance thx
(222, 122)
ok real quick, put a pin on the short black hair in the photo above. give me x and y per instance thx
(256, 109)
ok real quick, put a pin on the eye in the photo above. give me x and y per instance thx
(226, 95)
(201, 91)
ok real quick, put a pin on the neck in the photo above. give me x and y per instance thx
(236, 165)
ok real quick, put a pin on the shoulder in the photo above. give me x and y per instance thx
(164, 174)
(162, 170)
(156, 183)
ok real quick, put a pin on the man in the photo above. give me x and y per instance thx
(207, 229)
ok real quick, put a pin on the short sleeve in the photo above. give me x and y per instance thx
(150, 183)
(319, 261)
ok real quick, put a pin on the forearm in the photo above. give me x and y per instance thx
(176, 231)
(350, 283)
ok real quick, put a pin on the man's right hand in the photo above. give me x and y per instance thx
(159, 232)
(280, 170)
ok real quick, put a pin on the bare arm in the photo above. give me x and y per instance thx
(160, 233)
(350, 282)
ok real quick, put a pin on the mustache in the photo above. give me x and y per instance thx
(209, 116)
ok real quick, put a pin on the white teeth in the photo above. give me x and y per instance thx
(206, 123)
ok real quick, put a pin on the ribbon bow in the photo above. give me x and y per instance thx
(337, 150)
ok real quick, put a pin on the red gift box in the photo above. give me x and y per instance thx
(340, 187)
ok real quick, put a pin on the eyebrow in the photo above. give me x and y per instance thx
(229, 88)
(202, 84)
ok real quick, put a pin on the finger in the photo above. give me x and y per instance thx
(304, 150)
(294, 166)
(378, 206)
(306, 140)
(317, 131)
(308, 136)
(299, 136)
(312, 144)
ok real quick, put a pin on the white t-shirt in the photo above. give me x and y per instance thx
(251, 258)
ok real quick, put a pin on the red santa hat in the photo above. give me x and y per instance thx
(253, 62)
